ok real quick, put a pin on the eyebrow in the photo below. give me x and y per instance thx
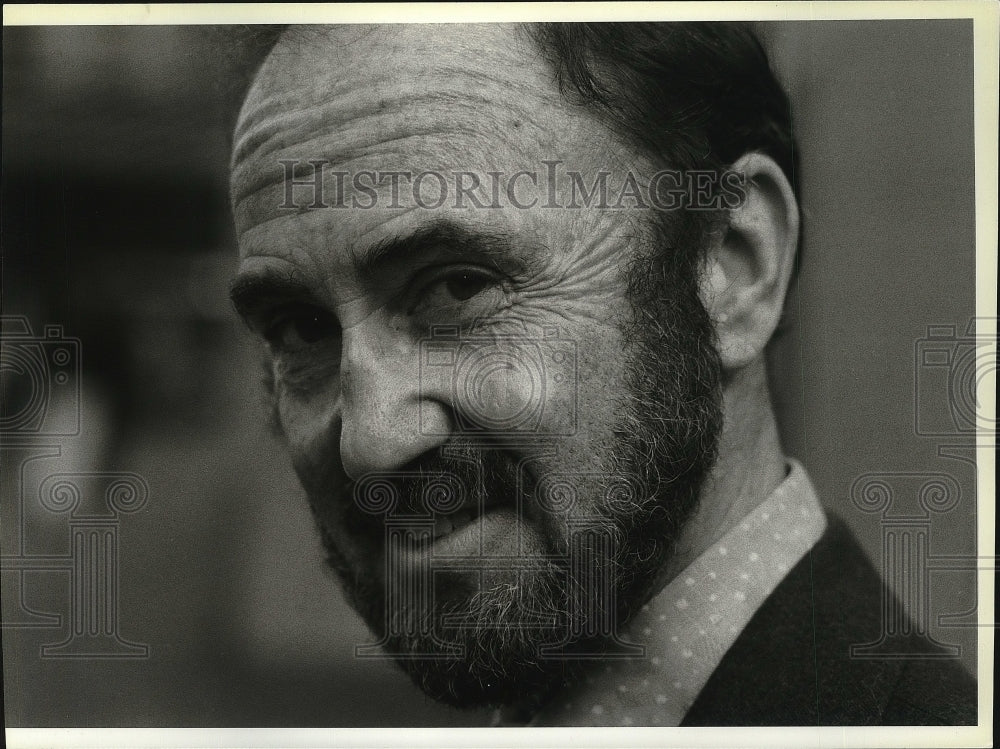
(256, 290)
(251, 292)
(449, 237)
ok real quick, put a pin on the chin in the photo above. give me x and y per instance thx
(476, 638)
(487, 649)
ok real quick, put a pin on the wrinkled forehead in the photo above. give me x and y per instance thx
(315, 56)
(416, 93)
(414, 99)
(333, 74)
(458, 97)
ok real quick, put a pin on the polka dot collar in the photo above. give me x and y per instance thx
(688, 627)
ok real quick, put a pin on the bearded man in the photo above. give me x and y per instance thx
(516, 284)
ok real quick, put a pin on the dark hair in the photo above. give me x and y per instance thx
(242, 50)
(688, 95)
(693, 95)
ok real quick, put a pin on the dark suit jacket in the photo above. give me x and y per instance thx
(792, 664)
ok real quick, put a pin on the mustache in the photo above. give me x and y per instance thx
(450, 478)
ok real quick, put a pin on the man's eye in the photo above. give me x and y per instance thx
(466, 284)
(300, 327)
(454, 287)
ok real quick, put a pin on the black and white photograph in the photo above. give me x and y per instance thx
(477, 375)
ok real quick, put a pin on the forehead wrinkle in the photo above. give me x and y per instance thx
(289, 113)
(325, 132)
(293, 100)
(259, 189)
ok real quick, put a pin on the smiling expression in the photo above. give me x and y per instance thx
(489, 348)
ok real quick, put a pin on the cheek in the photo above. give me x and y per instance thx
(572, 482)
(523, 386)
(599, 384)
(310, 425)
(312, 430)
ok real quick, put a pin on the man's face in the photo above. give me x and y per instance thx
(504, 375)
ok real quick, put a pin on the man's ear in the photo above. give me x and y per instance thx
(748, 268)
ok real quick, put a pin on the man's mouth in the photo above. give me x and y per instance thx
(446, 524)
(491, 481)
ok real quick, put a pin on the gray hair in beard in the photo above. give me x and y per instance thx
(670, 419)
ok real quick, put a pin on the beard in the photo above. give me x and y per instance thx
(501, 639)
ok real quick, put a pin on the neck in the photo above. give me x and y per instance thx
(749, 468)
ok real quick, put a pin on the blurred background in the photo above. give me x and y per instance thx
(115, 230)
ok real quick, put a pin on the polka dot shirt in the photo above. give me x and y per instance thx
(688, 627)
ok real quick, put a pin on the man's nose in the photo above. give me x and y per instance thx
(387, 420)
